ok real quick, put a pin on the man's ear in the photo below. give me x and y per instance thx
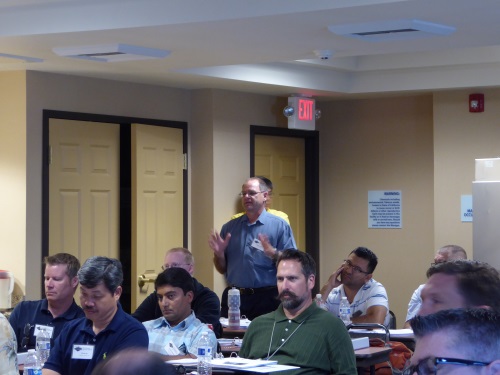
(368, 277)
(74, 282)
(190, 295)
(311, 281)
(493, 368)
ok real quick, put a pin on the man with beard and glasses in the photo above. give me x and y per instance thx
(55, 310)
(353, 279)
(175, 335)
(104, 330)
(299, 333)
(456, 341)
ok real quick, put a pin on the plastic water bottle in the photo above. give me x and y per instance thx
(233, 301)
(204, 355)
(320, 302)
(32, 364)
(345, 311)
(43, 346)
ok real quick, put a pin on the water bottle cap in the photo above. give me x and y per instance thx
(318, 295)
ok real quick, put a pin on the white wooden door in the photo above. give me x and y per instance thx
(157, 200)
(84, 188)
(282, 160)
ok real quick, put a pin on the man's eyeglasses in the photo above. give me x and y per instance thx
(429, 365)
(250, 193)
(174, 265)
(349, 264)
(26, 337)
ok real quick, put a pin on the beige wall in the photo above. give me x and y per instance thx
(378, 144)
(460, 137)
(13, 175)
(423, 145)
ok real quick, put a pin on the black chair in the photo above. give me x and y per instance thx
(392, 321)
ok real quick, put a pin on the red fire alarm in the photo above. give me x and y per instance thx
(476, 103)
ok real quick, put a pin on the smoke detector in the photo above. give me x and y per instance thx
(323, 54)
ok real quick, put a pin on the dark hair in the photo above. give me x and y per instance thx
(367, 254)
(473, 331)
(101, 269)
(72, 263)
(267, 181)
(176, 277)
(307, 262)
(134, 361)
(478, 282)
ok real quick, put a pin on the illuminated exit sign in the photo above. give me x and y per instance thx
(304, 116)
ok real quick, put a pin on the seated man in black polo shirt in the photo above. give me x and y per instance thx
(55, 310)
(206, 304)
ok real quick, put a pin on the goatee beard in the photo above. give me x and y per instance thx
(292, 303)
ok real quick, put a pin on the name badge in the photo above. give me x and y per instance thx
(39, 327)
(256, 244)
(82, 351)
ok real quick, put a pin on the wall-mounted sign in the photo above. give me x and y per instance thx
(305, 113)
(384, 209)
(466, 208)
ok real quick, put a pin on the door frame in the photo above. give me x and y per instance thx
(125, 205)
(311, 143)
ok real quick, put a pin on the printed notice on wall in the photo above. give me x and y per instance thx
(466, 208)
(384, 209)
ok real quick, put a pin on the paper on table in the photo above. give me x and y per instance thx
(243, 322)
(240, 363)
(270, 368)
(406, 333)
(184, 361)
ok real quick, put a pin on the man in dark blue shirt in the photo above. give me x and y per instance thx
(55, 310)
(106, 328)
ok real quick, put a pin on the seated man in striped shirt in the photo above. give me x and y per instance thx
(176, 333)
(353, 279)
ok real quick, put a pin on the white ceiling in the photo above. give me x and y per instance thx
(262, 46)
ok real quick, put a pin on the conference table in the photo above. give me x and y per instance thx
(365, 358)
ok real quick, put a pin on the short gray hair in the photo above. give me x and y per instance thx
(99, 269)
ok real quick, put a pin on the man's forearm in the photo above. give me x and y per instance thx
(220, 264)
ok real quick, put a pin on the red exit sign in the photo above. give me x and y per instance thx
(306, 109)
(305, 113)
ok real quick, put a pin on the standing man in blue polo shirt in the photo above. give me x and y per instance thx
(106, 328)
(55, 310)
(245, 251)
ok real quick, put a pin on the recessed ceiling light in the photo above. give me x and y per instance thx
(392, 30)
(111, 52)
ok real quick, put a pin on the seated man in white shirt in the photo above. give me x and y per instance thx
(353, 279)
(175, 335)
(444, 254)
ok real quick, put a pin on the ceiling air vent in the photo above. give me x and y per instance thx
(392, 30)
(111, 52)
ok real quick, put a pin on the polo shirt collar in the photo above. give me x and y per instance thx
(279, 314)
(162, 322)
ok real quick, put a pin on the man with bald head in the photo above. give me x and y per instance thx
(205, 304)
(444, 254)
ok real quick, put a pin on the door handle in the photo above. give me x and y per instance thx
(145, 278)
